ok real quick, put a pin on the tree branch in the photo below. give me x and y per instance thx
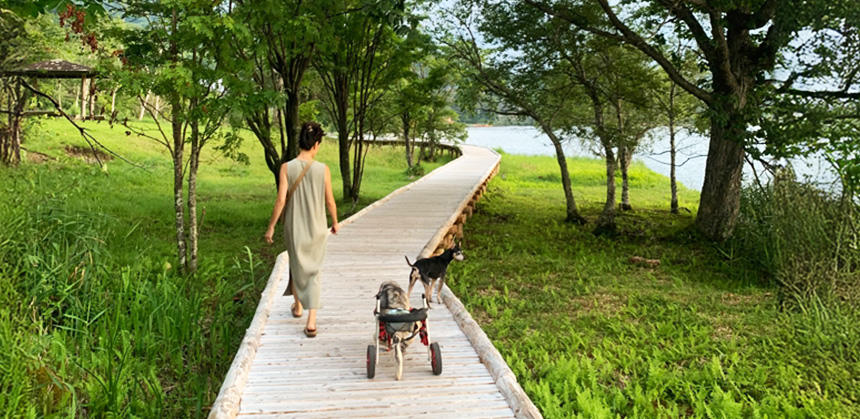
(682, 12)
(578, 21)
(824, 94)
(86, 135)
(637, 41)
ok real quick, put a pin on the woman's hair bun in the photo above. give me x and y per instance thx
(310, 134)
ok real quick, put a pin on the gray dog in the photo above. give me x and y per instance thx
(392, 299)
(391, 296)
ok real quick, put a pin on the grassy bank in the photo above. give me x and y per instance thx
(94, 320)
(590, 334)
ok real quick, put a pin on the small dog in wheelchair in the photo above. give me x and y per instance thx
(393, 300)
(397, 325)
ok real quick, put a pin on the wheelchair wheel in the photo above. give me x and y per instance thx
(371, 361)
(436, 358)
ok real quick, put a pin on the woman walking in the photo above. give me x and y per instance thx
(304, 187)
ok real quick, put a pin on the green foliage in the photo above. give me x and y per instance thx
(423, 101)
(416, 170)
(371, 49)
(804, 239)
(90, 328)
(33, 8)
(588, 334)
(798, 126)
(94, 319)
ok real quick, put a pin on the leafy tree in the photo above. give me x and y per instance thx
(610, 78)
(585, 70)
(742, 44)
(678, 110)
(423, 100)
(371, 49)
(272, 44)
(173, 56)
(527, 85)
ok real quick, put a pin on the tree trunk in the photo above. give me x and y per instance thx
(193, 165)
(673, 182)
(11, 150)
(357, 164)
(260, 124)
(405, 120)
(178, 175)
(291, 120)
(85, 91)
(59, 94)
(431, 155)
(113, 101)
(343, 148)
(625, 157)
(721, 191)
(606, 221)
(16, 141)
(572, 214)
(5, 132)
(93, 97)
(143, 106)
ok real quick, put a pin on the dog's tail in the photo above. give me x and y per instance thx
(408, 262)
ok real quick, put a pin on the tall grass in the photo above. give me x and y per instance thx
(804, 239)
(82, 333)
(94, 319)
(590, 334)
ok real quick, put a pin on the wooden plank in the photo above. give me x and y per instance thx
(487, 410)
(380, 402)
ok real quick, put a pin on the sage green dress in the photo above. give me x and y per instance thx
(306, 230)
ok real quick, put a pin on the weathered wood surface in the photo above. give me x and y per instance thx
(285, 374)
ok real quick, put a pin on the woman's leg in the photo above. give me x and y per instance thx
(312, 319)
(297, 304)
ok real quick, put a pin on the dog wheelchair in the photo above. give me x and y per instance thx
(391, 325)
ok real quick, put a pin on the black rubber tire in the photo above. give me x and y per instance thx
(371, 361)
(436, 358)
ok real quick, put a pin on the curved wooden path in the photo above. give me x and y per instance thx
(278, 372)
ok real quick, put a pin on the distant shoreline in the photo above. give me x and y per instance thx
(692, 150)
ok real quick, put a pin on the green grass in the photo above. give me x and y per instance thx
(94, 320)
(589, 334)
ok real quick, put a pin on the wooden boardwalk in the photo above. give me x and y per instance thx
(278, 372)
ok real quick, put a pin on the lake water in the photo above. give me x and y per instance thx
(691, 153)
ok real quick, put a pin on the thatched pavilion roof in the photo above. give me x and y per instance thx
(52, 69)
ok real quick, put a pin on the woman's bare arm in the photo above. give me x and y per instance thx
(279, 203)
(330, 203)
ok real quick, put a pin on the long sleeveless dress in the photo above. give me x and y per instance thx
(306, 230)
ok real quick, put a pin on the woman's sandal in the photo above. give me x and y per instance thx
(310, 332)
(293, 311)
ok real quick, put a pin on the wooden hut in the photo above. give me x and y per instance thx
(62, 69)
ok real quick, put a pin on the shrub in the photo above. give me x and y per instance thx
(416, 170)
(803, 238)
